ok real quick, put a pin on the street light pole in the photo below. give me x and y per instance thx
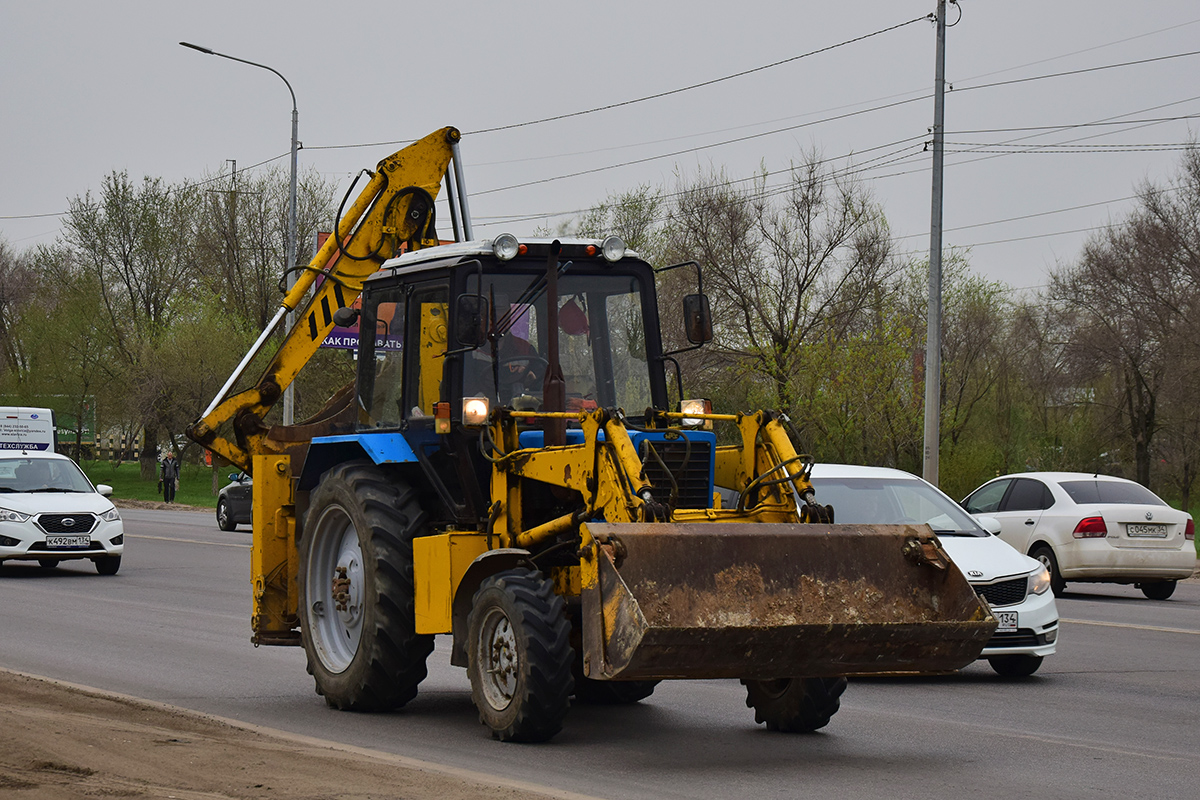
(288, 395)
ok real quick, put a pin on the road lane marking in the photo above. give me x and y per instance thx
(462, 773)
(1130, 625)
(187, 541)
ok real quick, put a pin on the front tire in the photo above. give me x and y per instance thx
(356, 589)
(108, 565)
(1158, 590)
(794, 705)
(1045, 555)
(519, 656)
(224, 518)
(1020, 666)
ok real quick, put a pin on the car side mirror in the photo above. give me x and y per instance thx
(989, 524)
(233, 476)
(469, 327)
(104, 489)
(697, 319)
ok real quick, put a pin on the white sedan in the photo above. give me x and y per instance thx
(50, 512)
(1017, 587)
(1087, 527)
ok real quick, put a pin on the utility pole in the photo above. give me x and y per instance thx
(933, 336)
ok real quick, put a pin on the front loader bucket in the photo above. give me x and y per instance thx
(763, 601)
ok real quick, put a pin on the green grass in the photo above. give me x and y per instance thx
(195, 482)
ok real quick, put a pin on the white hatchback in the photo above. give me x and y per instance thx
(1087, 527)
(1016, 586)
(50, 512)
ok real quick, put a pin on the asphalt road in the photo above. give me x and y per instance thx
(1114, 714)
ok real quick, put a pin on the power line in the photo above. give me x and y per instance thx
(1079, 71)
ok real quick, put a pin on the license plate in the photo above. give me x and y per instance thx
(68, 541)
(1007, 620)
(1147, 531)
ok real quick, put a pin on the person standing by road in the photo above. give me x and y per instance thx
(170, 473)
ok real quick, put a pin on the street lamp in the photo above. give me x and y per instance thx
(288, 397)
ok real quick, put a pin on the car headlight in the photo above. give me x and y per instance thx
(112, 515)
(1039, 581)
(8, 515)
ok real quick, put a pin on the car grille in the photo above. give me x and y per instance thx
(66, 523)
(1022, 637)
(1004, 593)
(689, 466)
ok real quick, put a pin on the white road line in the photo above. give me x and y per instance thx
(188, 541)
(1130, 625)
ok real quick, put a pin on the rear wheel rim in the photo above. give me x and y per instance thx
(498, 655)
(223, 514)
(334, 589)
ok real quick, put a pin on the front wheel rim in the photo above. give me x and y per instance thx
(498, 659)
(334, 589)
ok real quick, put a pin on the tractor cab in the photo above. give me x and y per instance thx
(462, 329)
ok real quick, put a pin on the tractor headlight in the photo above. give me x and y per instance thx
(1039, 581)
(696, 407)
(613, 248)
(505, 247)
(475, 410)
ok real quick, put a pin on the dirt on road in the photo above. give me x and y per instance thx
(58, 742)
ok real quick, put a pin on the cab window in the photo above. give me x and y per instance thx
(427, 334)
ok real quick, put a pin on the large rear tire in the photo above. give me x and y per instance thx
(519, 656)
(794, 705)
(1045, 555)
(356, 589)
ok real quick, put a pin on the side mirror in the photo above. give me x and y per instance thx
(469, 327)
(697, 319)
(989, 524)
(104, 489)
(345, 317)
(233, 476)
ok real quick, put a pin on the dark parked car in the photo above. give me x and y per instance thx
(233, 503)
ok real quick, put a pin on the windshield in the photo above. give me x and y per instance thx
(893, 501)
(1095, 491)
(41, 475)
(602, 342)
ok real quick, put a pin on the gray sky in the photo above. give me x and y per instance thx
(92, 87)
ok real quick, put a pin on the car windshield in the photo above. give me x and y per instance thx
(41, 475)
(1096, 491)
(893, 501)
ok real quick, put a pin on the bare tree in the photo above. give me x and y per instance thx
(785, 266)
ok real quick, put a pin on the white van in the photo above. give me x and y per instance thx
(24, 428)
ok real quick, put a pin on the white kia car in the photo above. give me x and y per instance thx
(1016, 586)
(50, 512)
(1087, 527)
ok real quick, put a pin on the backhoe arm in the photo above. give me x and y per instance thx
(395, 207)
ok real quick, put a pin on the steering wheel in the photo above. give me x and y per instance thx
(525, 362)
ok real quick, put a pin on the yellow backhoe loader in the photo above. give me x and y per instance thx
(508, 470)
